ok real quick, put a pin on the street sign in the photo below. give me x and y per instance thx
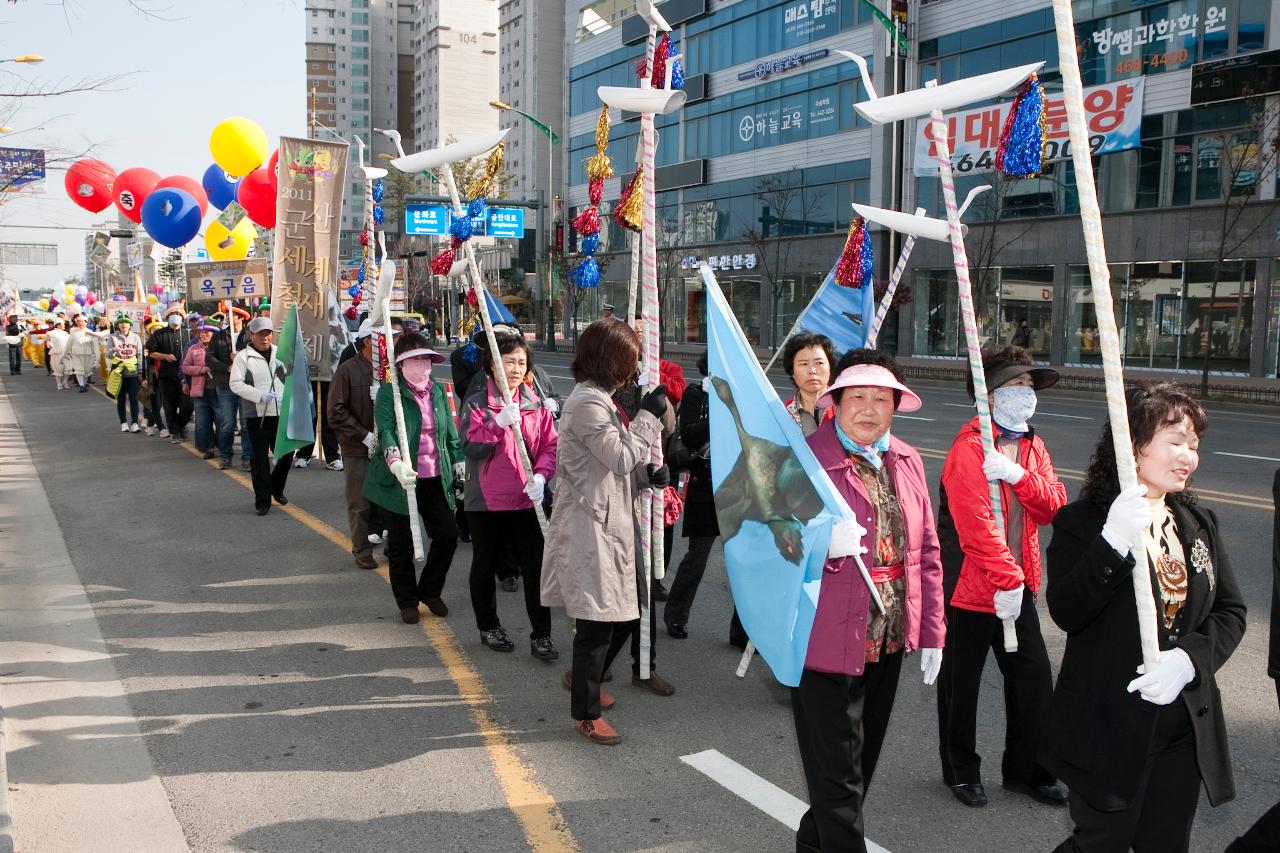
(1251, 76)
(433, 220)
(227, 280)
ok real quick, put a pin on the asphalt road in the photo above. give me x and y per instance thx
(284, 707)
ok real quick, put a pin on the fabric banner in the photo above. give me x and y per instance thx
(1113, 110)
(498, 312)
(297, 426)
(841, 313)
(312, 177)
(774, 503)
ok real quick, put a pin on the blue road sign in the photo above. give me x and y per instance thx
(433, 220)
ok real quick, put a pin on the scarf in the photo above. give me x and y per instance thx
(870, 453)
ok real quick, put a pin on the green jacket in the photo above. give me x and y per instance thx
(380, 485)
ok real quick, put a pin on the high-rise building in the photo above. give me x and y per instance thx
(455, 69)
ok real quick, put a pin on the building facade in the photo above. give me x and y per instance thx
(455, 69)
(757, 172)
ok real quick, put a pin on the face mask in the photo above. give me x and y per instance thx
(175, 321)
(416, 371)
(1013, 406)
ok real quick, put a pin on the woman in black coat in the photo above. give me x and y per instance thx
(1134, 747)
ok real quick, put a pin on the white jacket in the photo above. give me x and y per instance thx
(252, 375)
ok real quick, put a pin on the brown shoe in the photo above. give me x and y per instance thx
(606, 698)
(366, 563)
(598, 731)
(409, 615)
(437, 606)
(654, 682)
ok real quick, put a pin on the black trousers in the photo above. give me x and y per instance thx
(129, 387)
(595, 645)
(15, 359)
(177, 406)
(1028, 688)
(495, 535)
(688, 576)
(266, 480)
(328, 438)
(1164, 808)
(438, 526)
(841, 722)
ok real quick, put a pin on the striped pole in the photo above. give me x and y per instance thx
(883, 309)
(970, 322)
(1104, 307)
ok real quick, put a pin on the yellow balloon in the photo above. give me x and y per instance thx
(152, 299)
(238, 145)
(229, 244)
(44, 303)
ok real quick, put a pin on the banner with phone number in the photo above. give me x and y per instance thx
(1114, 112)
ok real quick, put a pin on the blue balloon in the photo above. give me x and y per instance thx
(220, 186)
(171, 216)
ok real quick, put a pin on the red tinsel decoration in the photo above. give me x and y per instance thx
(364, 238)
(659, 78)
(587, 222)
(351, 313)
(383, 370)
(595, 191)
(443, 262)
(642, 68)
(472, 299)
(849, 267)
(626, 214)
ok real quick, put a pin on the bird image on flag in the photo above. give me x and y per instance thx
(774, 502)
(297, 427)
(843, 314)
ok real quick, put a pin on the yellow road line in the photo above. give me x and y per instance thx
(539, 815)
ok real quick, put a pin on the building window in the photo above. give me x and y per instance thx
(360, 19)
(360, 35)
(35, 254)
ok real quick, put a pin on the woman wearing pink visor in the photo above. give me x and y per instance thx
(846, 693)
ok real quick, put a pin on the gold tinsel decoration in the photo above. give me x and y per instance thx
(599, 168)
(629, 211)
(482, 186)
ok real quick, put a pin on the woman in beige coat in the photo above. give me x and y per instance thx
(589, 561)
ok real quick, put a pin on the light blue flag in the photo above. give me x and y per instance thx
(774, 502)
(498, 312)
(843, 314)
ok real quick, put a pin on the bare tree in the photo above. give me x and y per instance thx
(784, 212)
(986, 245)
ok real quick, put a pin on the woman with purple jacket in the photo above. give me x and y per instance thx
(500, 500)
(845, 697)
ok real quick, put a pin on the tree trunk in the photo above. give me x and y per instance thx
(1207, 328)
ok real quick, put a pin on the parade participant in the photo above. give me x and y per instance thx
(14, 333)
(590, 560)
(846, 692)
(150, 384)
(350, 412)
(166, 348)
(57, 340)
(82, 351)
(499, 497)
(1135, 746)
(208, 365)
(328, 437)
(257, 378)
(807, 359)
(124, 352)
(993, 575)
(435, 462)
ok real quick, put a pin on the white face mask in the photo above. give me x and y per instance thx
(175, 321)
(416, 371)
(1012, 406)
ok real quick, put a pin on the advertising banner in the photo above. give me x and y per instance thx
(22, 169)
(312, 177)
(227, 280)
(1114, 112)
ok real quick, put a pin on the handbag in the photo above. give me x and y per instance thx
(114, 380)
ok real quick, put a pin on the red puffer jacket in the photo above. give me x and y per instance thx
(968, 534)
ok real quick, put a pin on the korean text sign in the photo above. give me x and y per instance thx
(227, 280)
(1113, 111)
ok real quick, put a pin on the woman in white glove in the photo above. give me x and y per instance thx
(846, 693)
(1135, 746)
(500, 499)
(434, 462)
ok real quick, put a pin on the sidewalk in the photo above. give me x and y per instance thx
(80, 774)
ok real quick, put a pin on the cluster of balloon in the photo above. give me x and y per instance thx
(257, 193)
(75, 298)
(160, 296)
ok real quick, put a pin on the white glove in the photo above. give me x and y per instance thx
(997, 466)
(368, 442)
(269, 397)
(404, 472)
(459, 472)
(1008, 603)
(551, 406)
(1130, 514)
(373, 392)
(1162, 685)
(846, 539)
(509, 415)
(930, 664)
(536, 488)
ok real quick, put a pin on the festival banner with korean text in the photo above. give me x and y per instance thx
(218, 280)
(311, 180)
(1114, 112)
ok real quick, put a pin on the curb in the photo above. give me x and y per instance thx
(6, 824)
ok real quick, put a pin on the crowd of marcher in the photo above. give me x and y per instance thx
(548, 492)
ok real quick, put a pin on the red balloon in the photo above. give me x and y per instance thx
(272, 163)
(257, 195)
(188, 185)
(88, 183)
(131, 188)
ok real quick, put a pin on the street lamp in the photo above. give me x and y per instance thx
(29, 59)
(552, 141)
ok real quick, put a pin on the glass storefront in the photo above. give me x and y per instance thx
(1271, 367)
(1013, 305)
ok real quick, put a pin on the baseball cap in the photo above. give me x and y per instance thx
(260, 324)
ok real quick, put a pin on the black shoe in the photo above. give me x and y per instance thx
(464, 537)
(1053, 794)
(678, 630)
(543, 649)
(244, 465)
(497, 640)
(659, 591)
(511, 584)
(263, 510)
(224, 465)
(281, 499)
(208, 454)
(973, 795)
(84, 388)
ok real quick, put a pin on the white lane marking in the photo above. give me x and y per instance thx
(912, 418)
(761, 793)
(960, 405)
(1246, 456)
(1057, 415)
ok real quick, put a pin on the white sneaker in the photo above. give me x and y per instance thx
(375, 539)
(299, 462)
(335, 465)
(133, 427)
(164, 433)
(150, 430)
(124, 427)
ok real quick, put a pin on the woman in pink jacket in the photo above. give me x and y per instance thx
(845, 697)
(500, 499)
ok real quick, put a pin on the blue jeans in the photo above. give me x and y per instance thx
(216, 409)
(246, 437)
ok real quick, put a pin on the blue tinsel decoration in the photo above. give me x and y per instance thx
(866, 259)
(360, 274)
(470, 353)
(587, 274)
(377, 190)
(1022, 139)
(677, 74)
(476, 208)
(460, 228)
(379, 215)
(353, 290)
(591, 244)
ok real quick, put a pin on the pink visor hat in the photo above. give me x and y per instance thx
(876, 376)
(436, 358)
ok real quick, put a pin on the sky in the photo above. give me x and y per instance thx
(187, 64)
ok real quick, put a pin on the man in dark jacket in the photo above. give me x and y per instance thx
(13, 330)
(165, 349)
(350, 413)
(217, 392)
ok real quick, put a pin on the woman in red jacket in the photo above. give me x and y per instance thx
(990, 575)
